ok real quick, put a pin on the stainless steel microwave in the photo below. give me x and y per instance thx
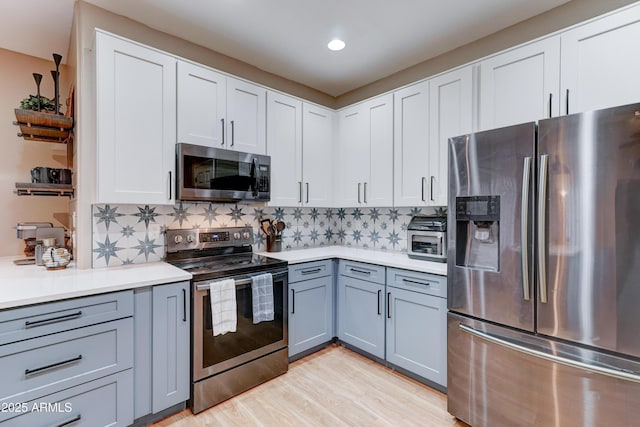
(216, 174)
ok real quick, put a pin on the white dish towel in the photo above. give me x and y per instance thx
(262, 296)
(223, 306)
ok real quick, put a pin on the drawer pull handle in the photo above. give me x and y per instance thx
(53, 365)
(71, 421)
(355, 270)
(415, 282)
(315, 270)
(31, 324)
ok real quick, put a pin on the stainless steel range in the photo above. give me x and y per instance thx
(228, 364)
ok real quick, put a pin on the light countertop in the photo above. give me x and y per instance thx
(30, 284)
(372, 256)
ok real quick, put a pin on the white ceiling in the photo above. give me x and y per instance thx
(289, 37)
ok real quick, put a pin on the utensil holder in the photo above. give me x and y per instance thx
(274, 243)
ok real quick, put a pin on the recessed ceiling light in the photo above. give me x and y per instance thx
(336, 44)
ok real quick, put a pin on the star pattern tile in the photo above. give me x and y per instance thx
(130, 234)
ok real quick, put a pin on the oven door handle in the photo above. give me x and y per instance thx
(239, 282)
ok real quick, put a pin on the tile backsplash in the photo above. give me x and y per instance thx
(131, 234)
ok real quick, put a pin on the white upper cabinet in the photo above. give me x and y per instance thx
(246, 113)
(317, 154)
(202, 100)
(353, 155)
(136, 122)
(520, 85)
(365, 154)
(411, 145)
(601, 64)
(219, 111)
(284, 145)
(450, 114)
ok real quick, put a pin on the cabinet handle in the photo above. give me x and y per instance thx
(71, 421)
(184, 305)
(170, 185)
(365, 192)
(299, 191)
(315, 270)
(293, 301)
(422, 191)
(379, 291)
(53, 365)
(550, 103)
(31, 324)
(355, 270)
(307, 184)
(222, 120)
(415, 282)
(388, 305)
(567, 101)
(359, 192)
(431, 190)
(233, 132)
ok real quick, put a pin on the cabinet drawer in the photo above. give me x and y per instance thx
(47, 364)
(43, 319)
(107, 401)
(309, 270)
(418, 282)
(360, 270)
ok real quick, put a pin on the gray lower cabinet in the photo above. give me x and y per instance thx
(417, 324)
(162, 347)
(361, 308)
(310, 305)
(68, 362)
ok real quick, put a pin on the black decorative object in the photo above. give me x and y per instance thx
(56, 80)
(38, 78)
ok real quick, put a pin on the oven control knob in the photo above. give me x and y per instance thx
(236, 236)
(178, 239)
(190, 238)
(245, 235)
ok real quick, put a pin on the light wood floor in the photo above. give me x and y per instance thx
(333, 387)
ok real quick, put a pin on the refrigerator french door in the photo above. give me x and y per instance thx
(543, 272)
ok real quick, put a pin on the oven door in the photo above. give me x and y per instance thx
(206, 173)
(212, 355)
(427, 244)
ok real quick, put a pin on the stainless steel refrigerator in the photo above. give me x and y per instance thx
(544, 272)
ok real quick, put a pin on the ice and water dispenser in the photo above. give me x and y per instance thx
(478, 232)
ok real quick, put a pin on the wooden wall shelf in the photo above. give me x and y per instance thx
(45, 127)
(30, 189)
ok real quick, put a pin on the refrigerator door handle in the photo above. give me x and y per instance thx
(524, 227)
(614, 373)
(542, 227)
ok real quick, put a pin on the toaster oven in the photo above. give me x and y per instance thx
(427, 238)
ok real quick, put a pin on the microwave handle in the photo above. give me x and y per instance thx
(254, 174)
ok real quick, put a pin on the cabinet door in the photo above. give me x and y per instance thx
(353, 155)
(202, 100)
(520, 85)
(600, 63)
(317, 155)
(246, 115)
(310, 314)
(378, 186)
(136, 122)
(284, 145)
(450, 114)
(417, 334)
(411, 145)
(361, 314)
(171, 345)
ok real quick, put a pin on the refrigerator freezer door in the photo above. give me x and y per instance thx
(498, 377)
(486, 258)
(592, 220)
